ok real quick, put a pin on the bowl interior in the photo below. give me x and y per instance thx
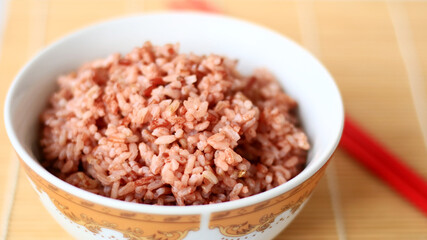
(301, 75)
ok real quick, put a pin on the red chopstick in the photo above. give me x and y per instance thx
(385, 156)
(384, 164)
(198, 5)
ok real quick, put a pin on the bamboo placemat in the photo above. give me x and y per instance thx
(376, 50)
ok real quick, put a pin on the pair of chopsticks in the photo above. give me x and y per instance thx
(381, 162)
(359, 144)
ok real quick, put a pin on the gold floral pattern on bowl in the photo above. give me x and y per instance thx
(259, 217)
(134, 226)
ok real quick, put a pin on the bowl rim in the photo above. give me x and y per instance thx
(157, 209)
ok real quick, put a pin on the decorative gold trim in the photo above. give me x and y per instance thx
(259, 217)
(134, 226)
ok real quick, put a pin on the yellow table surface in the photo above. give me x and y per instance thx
(376, 50)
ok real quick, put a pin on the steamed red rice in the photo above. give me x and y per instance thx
(159, 127)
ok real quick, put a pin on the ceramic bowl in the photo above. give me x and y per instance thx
(88, 216)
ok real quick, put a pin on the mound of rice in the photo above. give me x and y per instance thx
(159, 127)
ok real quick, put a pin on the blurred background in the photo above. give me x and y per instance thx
(2, 16)
(376, 51)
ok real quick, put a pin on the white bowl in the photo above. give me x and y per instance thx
(262, 216)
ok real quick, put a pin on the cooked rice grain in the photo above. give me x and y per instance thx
(159, 127)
